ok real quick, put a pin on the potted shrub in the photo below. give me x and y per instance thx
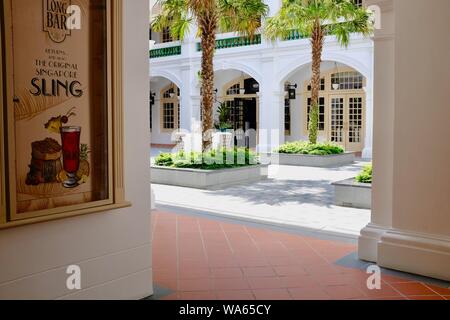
(304, 153)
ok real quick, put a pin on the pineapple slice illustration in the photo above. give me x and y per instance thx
(85, 169)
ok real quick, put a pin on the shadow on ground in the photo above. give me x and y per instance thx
(278, 192)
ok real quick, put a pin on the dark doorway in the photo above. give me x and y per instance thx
(245, 123)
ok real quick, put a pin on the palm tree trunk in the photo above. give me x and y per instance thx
(208, 43)
(317, 40)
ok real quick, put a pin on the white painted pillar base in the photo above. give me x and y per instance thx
(427, 255)
(368, 242)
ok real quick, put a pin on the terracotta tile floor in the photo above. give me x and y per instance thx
(201, 258)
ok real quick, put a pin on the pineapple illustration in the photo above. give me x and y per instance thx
(85, 169)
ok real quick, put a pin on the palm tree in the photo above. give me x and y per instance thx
(242, 16)
(316, 19)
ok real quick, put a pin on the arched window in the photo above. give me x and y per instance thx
(351, 80)
(234, 89)
(170, 108)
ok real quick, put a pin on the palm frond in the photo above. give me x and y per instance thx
(338, 17)
(243, 16)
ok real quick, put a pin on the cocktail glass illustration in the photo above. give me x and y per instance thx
(70, 137)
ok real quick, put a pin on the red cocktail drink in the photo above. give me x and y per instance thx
(70, 137)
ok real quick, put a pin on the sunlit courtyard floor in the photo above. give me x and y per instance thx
(294, 196)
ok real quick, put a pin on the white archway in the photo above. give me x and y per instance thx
(292, 68)
(167, 75)
(226, 65)
(352, 62)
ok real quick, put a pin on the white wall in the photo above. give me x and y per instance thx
(113, 248)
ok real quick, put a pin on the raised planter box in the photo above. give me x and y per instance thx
(309, 160)
(349, 193)
(207, 179)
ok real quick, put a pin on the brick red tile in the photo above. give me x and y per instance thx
(171, 271)
(413, 289)
(194, 273)
(193, 263)
(439, 290)
(210, 226)
(340, 279)
(299, 281)
(252, 262)
(391, 298)
(235, 295)
(222, 262)
(206, 259)
(426, 297)
(265, 283)
(190, 285)
(227, 273)
(200, 295)
(272, 294)
(321, 269)
(317, 293)
(231, 284)
(344, 292)
(282, 261)
(284, 271)
(258, 272)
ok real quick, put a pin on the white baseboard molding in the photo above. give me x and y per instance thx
(119, 275)
(132, 287)
(368, 242)
(423, 254)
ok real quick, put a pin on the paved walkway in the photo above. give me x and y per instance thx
(295, 196)
(197, 257)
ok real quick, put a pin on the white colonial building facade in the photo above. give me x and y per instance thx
(265, 84)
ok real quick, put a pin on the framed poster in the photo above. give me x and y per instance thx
(63, 107)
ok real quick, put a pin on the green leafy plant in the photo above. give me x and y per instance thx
(164, 160)
(224, 115)
(210, 160)
(366, 174)
(305, 147)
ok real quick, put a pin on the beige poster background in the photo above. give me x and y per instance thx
(43, 103)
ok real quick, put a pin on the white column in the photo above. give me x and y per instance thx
(271, 110)
(410, 223)
(419, 240)
(185, 99)
(383, 128)
(188, 76)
